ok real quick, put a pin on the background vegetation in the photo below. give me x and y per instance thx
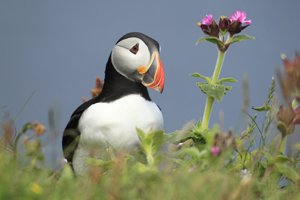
(186, 164)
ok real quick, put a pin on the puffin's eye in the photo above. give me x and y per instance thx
(135, 48)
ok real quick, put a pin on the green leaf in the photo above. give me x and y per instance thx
(99, 162)
(211, 39)
(287, 171)
(262, 108)
(144, 169)
(227, 89)
(217, 91)
(154, 138)
(195, 137)
(239, 38)
(192, 153)
(150, 143)
(158, 140)
(142, 136)
(26, 127)
(67, 174)
(279, 159)
(206, 78)
(227, 80)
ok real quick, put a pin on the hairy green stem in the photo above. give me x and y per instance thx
(282, 145)
(218, 66)
(210, 100)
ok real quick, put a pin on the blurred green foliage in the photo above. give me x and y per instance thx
(191, 163)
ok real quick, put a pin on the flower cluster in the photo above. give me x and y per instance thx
(226, 27)
(289, 115)
(233, 25)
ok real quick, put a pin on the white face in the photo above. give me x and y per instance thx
(129, 54)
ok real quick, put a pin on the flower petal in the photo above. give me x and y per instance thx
(207, 20)
(240, 16)
(247, 22)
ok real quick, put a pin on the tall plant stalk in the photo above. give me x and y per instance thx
(210, 100)
(229, 28)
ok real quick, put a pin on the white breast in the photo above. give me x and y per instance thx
(115, 124)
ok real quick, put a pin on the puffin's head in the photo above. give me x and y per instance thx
(136, 56)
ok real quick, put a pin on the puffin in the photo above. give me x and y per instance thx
(112, 118)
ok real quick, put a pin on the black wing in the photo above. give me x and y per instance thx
(71, 133)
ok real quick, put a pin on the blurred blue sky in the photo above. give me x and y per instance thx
(55, 49)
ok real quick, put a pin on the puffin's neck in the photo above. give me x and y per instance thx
(116, 86)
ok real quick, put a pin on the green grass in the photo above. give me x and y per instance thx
(249, 164)
(125, 179)
(190, 172)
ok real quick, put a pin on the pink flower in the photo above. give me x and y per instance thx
(240, 16)
(209, 26)
(215, 150)
(238, 22)
(207, 20)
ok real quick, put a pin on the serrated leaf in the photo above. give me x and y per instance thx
(150, 143)
(211, 39)
(227, 80)
(217, 91)
(206, 78)
(239, 38)
(141, 135)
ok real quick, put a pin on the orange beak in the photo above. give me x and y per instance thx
(154, 76)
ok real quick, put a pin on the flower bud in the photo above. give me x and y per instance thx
(223, 24)
(214, 29)
(236, 27)
(285, 117)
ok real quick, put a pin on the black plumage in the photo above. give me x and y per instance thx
(115, 86)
